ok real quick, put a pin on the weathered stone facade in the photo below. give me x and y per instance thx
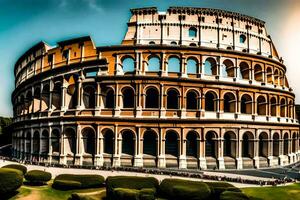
(188, 88)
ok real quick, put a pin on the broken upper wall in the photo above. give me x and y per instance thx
(200, 27)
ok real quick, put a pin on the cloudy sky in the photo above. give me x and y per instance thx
(26, 22)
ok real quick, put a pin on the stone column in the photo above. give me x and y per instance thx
(62, 159)
(239, 158)
(63, 96)
(138, 158)
(79, 147)
(182, 104)
(161, 157)
(99, 148)
(183, 67)
(117, 149)
(162, 112)
(220, 153)
(98, 96)
(118, 97)
(138, 95)
(182, 157)
(202, 159)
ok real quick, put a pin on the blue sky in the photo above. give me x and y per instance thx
(26, 22)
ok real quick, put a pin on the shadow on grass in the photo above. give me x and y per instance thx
(9, 195)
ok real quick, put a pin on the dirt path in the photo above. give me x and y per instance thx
(34, 195)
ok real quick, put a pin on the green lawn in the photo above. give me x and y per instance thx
(290, 192)
(48, 193)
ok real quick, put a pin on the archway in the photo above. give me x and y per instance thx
(229, 102)
(152, 98)
(36, 146)
(210, 101)
(89, 145)
(261, 105)
(286, 144)
(110, 99)
(128, 98)
(246, 104)
(172, 99)
(210, 67)
(244, 71)
(192, 100)
(211, 144)
(248, 145)
(70, 145)
(263, 145)
(89, 97)
(150, 144)
(276, 144)
(273, 106)
(258, 73)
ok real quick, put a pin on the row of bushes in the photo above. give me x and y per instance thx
(147, 188)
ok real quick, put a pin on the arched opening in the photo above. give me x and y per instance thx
(192, 66)
(154, 64)
(276, 77)
(36, 99)
(72, 93)
(246, 104)
(174, 64)
(128, 143)
(70, 145)
(108, 141)
(248, 145)
(244, 71)
(89, 141)
(291, 109)
(263, 145)
(45, 143)
(89, 97)
(150, 143)
(56, 96)
(29, 100)
(258, 73)
(261, 105)
(294, 143)
(228, 68)
(192, 32)
(172, 99)
(192, 144)
(211, 101)
(36, 146)
(110, 99)
(229, 144)
(55, 142)
(211, 144)
(281, 78)
(172, 143)
(192, 100)
(210, 67)
(286, 144)
(128, 98)
(45, 97)
(282, 108)
(28, 145)
(276, 144)
(273, 106)
(242, 38)
(269, 75)
(229, 102)
(173, 43)
(128, 64)
(152, 98)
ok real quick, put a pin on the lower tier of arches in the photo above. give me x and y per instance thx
(193, 146)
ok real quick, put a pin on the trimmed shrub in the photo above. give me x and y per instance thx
(126, 194)
(37, 177)
(66, 185)
(22, 168)
(129, 182)
(184, 189)
(86, 181)
(229, 195)
(11, 180)
(218, 187)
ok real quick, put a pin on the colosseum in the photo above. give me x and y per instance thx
(192, 88)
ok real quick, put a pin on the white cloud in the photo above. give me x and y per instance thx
(91, 4)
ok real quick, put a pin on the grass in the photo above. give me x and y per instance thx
(47, 192)
(289, 192)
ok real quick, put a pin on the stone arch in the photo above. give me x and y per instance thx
(45, 142)
(35, 146)
(152, 98)
(273, 106)
(230, 144)
(128, 64)
(28, 144)
(269, 75)
(263, 144)
(192, 65)
(154, 63)
(248, 145)
(89, 96)
(172, 143)
(276, 77)
(70, 144)
(192, 97)
(108, 141)
(258, 73)
(282, 108)
(56, 96)
(291, 109)
(246, 104)
(55, 142)
(128, 142)
(210, 66)
(261, 108)
(276, 144)
(229, 102)
(88, 137)
(294, 142)
(174, 64)
(45, 97)
(150, 142)
(193, 32)
(244, 71)
(228, 68)
(36, 99)
(211, 101)
(128, 95)
(211, 147)
(286, 144)
(192, 144)
(109, 98)
(173, 98)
